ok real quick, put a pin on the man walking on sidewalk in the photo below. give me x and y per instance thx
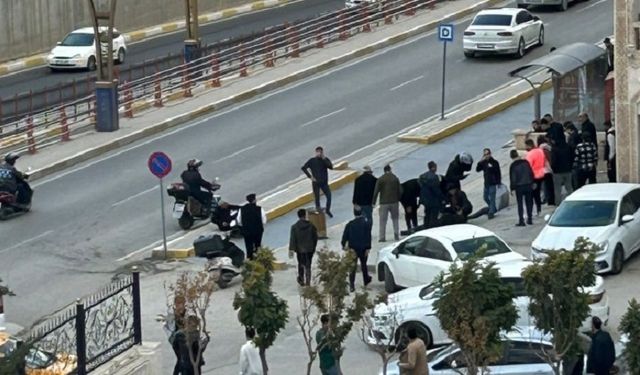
(252, 219)
(610, 151)
(357, 237)
(536, 158)
(602, 354)
(561, 164)
(363, 189)
(431, 196)
(319, 175)
(521, 181)
(390, 191)
(303, 241)
(492, 179)
(250, 362)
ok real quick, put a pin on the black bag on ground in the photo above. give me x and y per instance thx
(213, 246)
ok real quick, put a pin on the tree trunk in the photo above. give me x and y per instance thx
(309, 364)
(263, 359)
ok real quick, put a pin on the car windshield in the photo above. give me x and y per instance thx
(492, 245)
(492, 20)
(78, 40)
(584, 214)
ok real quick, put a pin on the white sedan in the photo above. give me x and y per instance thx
(503, 31)
(413, 307)
(78, 50)
(607, 214)
(419, 258)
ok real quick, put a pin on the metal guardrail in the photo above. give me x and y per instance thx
(39, 129)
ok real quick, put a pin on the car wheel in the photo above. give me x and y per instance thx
(121, 56)
(564, 5)
(541, 36)
(469, 54)
(91, 63)
(521, 49)
(401, 335)
(389, 282)
(618, 260)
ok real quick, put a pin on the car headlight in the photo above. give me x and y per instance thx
(76, 56)
(603, 247)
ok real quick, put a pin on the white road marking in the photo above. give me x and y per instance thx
(591, 5)
(235, 153)
(135, 196)
(27, 241)
(406, 83)
(322, 117)
(152, 246)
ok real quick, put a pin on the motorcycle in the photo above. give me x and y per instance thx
(225, 258)
(9, 206)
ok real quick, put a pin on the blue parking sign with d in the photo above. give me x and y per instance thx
(445, 33)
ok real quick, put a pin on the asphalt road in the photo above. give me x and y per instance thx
(39, 78)
(86, 219)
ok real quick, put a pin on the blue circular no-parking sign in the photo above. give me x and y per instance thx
(159, 164)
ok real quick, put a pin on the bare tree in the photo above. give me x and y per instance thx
(308, 323)
(383, 343)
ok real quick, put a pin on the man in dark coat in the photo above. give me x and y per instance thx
(303, 241)
(492, 179)
(188, 344)
(562, 165)
(357, 238)
(319, 166)
(521, 181)
(586, 126)
(609, 46)
(194, 181)
(610, 151)
(363, 189)
(460, 164)
(457, 206)
(252, 220)
(602, 354)
(431, 196)
(555, 131)
(409, 201)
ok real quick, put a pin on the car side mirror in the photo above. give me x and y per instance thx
(626, 219)
(396, 252)
(536, 18)
(547, 217)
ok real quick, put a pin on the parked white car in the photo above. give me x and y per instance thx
(356, 3)
(78, 50)
(607, 214)
(419, 258)
(523, 354)
(503, 31)
(413, 307)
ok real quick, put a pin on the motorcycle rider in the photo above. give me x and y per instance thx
(194, 181)
(13, 181)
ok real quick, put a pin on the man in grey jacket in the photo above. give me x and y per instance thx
(303, 241)
(389, 188)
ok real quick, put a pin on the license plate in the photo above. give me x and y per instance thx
(486, 46)
(178, 209)
(61, 62)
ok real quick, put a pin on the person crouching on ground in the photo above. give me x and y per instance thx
(457, 206)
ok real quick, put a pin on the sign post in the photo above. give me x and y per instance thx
(445, 35)
(160, 166)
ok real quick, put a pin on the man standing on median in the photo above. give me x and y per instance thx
(303, 241)
(521, 181)
(390, 191)
(357, 237)
(492, 179)
(363, 189)
(319, 175)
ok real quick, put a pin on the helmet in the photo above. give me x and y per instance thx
(465, 158)
(194, 163)
(11, 157)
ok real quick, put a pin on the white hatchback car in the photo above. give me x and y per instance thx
(413, 307)
(419, 258)
(503, 31)
(78, 50)
(607, 214)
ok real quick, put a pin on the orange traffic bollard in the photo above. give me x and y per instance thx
(215, 72)
(243, 62)
(64, 127)
(157, 94)
(31, 142)
(186, 83)
(128, 101)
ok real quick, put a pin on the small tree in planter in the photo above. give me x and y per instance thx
(557, 300)
(188, 300)
(474, 307)
(258, 306)
(630, 325)
(384, 346)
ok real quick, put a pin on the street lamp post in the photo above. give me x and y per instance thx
(102, 14)
(192, 43)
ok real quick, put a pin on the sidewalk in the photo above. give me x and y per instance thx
(90, 145)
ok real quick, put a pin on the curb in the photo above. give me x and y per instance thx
(248, 94)
(471, 120)
(173, 254)
(149, 32)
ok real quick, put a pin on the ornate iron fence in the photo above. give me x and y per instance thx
(99, 327)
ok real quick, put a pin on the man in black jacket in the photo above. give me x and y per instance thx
(492, 179)
(303, 241)
(357, 238)
(363, 188)
(431, 196)
(252, 220)
(409, 201)
(586, 126)
(194, 181)
(562, 165)
(521, 181)
(602, 354)
(319, 166)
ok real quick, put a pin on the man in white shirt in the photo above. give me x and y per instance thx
(250, 363)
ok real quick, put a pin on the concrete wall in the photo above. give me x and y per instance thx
(28, 27)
